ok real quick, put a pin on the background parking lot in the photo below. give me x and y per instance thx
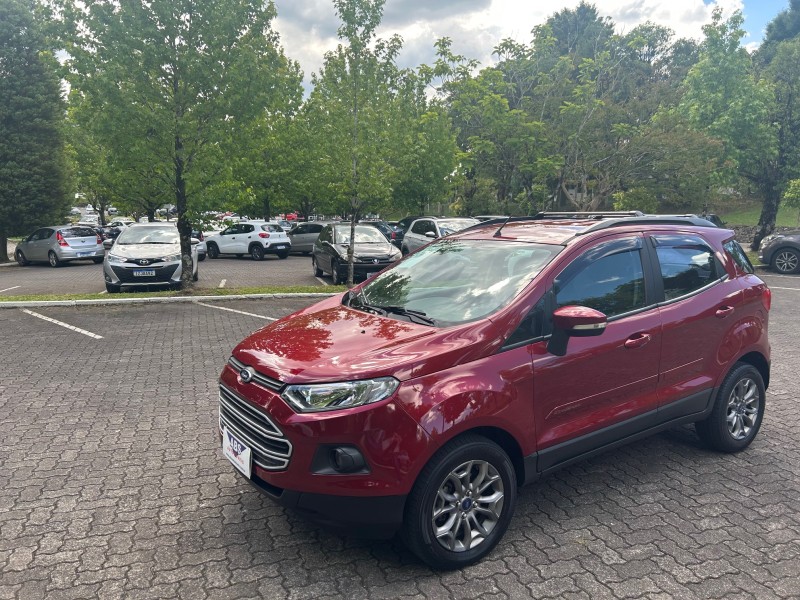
(112, 484)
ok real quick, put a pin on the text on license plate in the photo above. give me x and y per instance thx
(144, 273)
(85, 253)
(236, 452)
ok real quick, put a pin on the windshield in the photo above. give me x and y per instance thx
(456, 281)
(364, 235)
(148, 235)
(448, 226)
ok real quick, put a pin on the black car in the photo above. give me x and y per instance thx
(372, 252)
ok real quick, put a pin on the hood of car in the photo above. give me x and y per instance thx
(331, 342)
(371, 250)
(144, 250)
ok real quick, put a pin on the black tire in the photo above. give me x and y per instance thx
(469, 458)
(97, 260)
(335, 277)
(19, 256)
(257, 252)
(201, 257)
(112, 289)
(283, 254)
(213, 251)
(404, 250)
(786, 261)
(195, 276)
(738, 411)
(317, 271)
(52, 258)
(306, 252)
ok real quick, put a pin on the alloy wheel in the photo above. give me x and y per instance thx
(743, 405)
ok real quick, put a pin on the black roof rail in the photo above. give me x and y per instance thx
(649, 220)
(589, 214)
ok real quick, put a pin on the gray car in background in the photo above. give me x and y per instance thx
(427, 229)
(781, 251)
(59, 244)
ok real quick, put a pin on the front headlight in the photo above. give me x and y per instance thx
(172, 258)
(333, 396)
(113, 258)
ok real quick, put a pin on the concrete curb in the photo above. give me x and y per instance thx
(147, 300)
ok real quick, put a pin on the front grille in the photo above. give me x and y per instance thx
(262, 380)
(163, 274)
(271, 450)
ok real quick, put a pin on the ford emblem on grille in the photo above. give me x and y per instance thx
(246, 375)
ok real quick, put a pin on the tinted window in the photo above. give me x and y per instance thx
(325, 235)
(687, 264)
(299, 229)
(532, 327)
(314, 228)
(272, 227)
(246, 228)
(612, 284)
(422, 227)
(739, 256)
(77, 232)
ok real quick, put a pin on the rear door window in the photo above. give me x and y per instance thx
(687, 264)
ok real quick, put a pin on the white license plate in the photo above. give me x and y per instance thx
(85, 253)
(280, 247)
(144, 273)
(237, 453)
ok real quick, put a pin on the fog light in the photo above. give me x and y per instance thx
(347, 459)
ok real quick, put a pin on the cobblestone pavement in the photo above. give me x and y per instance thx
(112, 485)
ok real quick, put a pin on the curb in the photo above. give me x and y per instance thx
(113, 301)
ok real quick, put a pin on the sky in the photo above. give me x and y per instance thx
(308, 27)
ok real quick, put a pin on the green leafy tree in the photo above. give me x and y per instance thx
(172, 83)
(34, 186)
(791, 196)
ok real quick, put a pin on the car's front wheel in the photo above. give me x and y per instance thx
(738, 411)
(461, 504)
(336, 278)
(20, 258)
(786, 261)
(201, 257)
(317, 271)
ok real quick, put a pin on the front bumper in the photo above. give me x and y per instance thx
(124, 274)
(291, 472)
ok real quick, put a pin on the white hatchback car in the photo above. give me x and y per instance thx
(256, 238)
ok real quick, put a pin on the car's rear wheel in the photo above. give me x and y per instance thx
(52, 258)
(317, 271)
(336, 279)
(257, 252)
(738, 411)
(20, 258)
(461, 504)
(213, 251)
(786, 261)
(97, 260)
(404, 250)
(283, 254)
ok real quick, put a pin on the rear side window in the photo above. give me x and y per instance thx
(423, 227)
(78, 232)
(739, 256)
(687, 264)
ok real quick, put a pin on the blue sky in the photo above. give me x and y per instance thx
(308, 27)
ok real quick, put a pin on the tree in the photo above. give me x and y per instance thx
(33, 169)
(791, 196)
(172, 83)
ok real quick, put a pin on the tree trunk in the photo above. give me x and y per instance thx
(769, 212)
(3, 248)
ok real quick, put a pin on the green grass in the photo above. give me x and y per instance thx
(330, 289)
(787, 217)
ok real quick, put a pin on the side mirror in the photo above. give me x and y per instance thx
(195, 241)
(430, 234)
(107, 244)
(574, 321)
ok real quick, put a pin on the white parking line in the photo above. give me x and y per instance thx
(9, 289)
(62, 324)
(322, 281)
(222, 283)
(241, 312)
(772, 287)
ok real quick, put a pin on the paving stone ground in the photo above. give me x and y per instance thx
(112, 486)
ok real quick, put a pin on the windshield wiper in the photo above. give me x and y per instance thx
(413, 315)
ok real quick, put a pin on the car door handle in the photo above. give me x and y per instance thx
(637, 340)
(723, 311)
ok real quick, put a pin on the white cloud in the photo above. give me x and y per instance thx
(308, 27)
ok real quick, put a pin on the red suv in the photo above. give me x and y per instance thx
(421, 399)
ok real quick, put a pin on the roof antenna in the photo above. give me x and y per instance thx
(499, 231)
